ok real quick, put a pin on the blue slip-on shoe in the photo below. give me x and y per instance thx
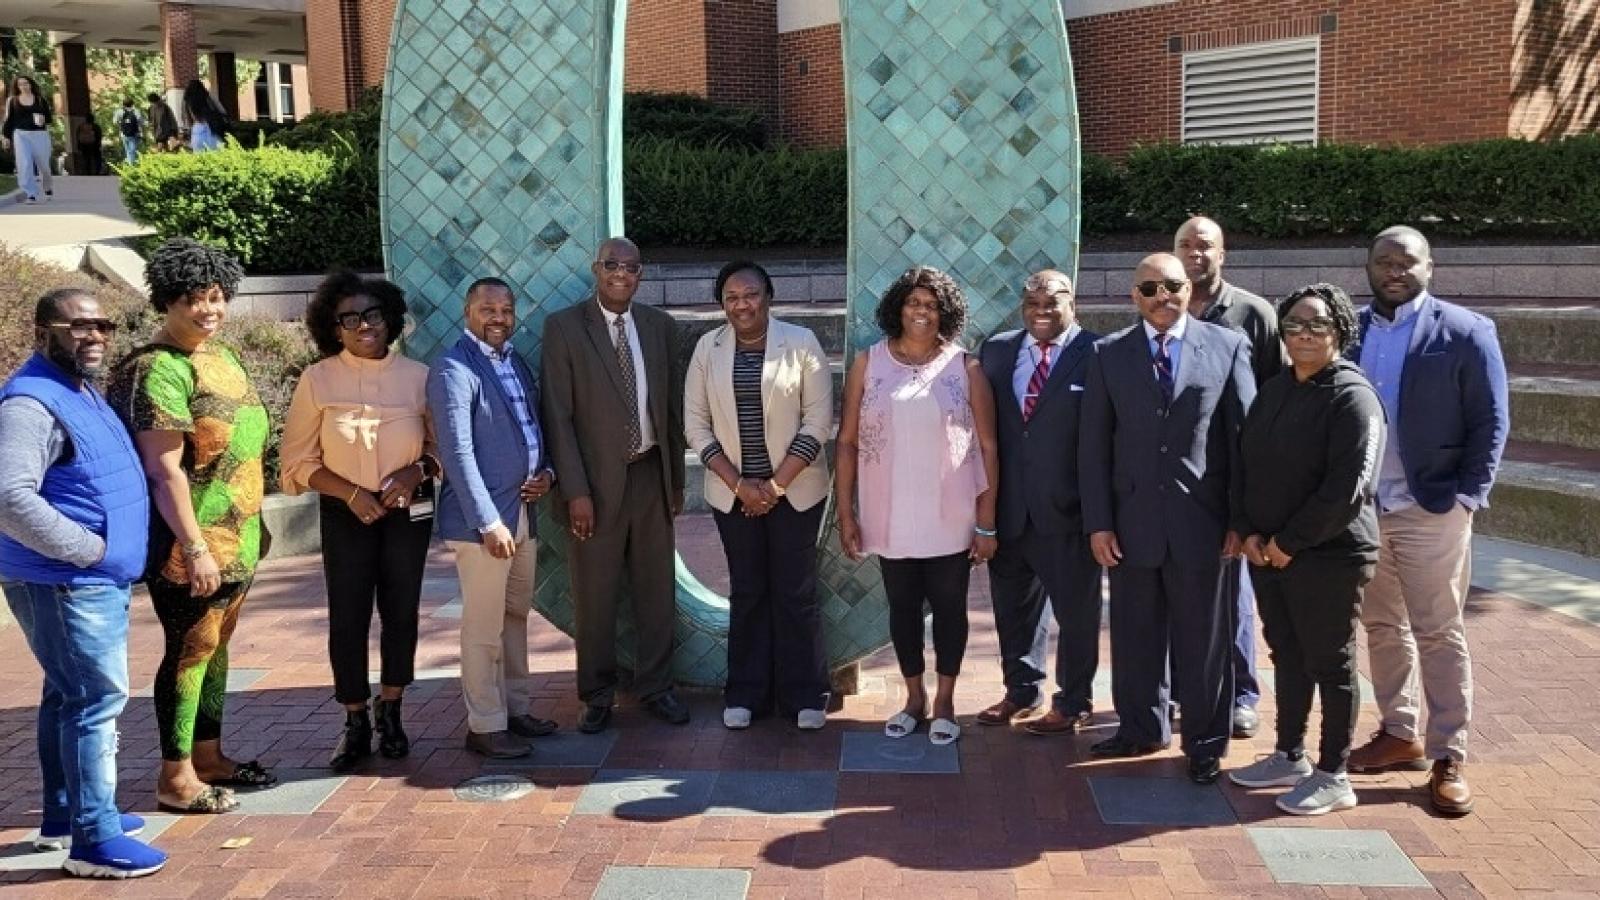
(120, 857)
(58, 835)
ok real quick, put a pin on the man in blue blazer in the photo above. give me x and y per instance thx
(485, 407)
(1037, 374)
(1163, 405)
(1439, 372)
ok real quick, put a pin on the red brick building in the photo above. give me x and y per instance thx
(1385, 71)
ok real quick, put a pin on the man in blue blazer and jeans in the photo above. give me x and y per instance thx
(1438, 370)
(485, 407)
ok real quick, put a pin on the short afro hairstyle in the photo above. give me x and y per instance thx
(1340, 309)
(952, 303)
(181, 266)
(48, 310)
(322, 322)
(734, 268)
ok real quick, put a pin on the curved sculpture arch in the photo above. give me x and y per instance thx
(502, 145)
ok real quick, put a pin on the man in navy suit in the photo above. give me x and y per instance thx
(1162, 408)
(485, 407)
(1438, 370)
(1037, 374)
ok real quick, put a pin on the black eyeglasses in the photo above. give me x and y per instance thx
(1321, 326)
(1172, 285)
(372, 315)
(82, 328)
(611, 265)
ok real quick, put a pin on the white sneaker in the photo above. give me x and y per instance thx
(1319, 793)
(1277, 770)
(811, 719)
(736, 717)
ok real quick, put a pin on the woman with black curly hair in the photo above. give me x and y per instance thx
(200, 431)
(918, 436)
(358, 433)
(1310, 449)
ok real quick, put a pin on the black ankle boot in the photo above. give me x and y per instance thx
(355, 743)
(392, 740)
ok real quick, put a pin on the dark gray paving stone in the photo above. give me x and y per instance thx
(868, 751)
(1159, 801)
(798, 794)
(1331, 856)
(562, 750)
(21, 857)
(299, 792)
(646, 794)
(656, 883)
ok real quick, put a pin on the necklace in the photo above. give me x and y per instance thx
(756, 341)
(906, 359)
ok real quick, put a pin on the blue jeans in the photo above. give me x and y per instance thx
(130, 149)
(80, 637)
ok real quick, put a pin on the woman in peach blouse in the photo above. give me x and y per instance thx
(358, 433)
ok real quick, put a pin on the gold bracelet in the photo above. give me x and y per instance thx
(354, 490)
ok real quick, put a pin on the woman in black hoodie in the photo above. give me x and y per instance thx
(1310, 450)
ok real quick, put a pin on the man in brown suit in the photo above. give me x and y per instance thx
(613, 417)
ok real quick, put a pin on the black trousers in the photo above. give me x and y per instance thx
(363, 565)
(640, 543)
(775, 649)
(938, 583)
(1026, 573)
(1311, 612)
(1189, 608)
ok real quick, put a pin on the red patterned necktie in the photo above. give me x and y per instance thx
(1041, 374)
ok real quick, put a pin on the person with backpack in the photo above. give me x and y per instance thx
(132, 127)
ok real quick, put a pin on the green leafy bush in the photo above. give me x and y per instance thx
(1104, 189)
(692, 120)
(679, 194)
(278, 209)
(324, 130)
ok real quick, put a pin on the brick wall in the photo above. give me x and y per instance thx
(1555, 69)
(325, 55)
(811, 87)
(666, 47)
(741, 39)
(180, 57)
(347, 48)
(1404, 73)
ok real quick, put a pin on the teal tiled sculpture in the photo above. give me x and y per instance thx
(501, 147)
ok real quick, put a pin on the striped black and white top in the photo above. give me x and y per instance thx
(756, 464)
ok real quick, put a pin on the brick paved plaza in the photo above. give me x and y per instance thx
(652, 810)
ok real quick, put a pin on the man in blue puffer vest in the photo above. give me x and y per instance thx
(74, 519)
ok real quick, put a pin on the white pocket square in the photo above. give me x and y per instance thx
(1074, 387)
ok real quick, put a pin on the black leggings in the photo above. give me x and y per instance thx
(362, 563)
(1309, 613)
(940, 582)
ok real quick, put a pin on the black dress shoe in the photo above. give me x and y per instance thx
(1204, 769)
(392, 740)
(530, 727)
(668, 708)
(1118, 746)
(595, 719)
(355, 744)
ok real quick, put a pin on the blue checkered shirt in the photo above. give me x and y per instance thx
(517, 397)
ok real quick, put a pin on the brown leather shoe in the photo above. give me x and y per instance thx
(1057, 722)
(1448, 788)
(1003, 712)
(1385, 753)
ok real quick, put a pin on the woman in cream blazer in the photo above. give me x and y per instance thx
(758, 408)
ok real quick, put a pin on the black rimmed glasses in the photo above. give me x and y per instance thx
(611, 265)
(1173, 286)
(372, 315)
(1321, 326)
(83, 328)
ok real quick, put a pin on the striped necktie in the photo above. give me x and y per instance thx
(1041, 374)
(1163, 366)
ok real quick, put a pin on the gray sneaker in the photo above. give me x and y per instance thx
(1321, 792)
(1277, 770)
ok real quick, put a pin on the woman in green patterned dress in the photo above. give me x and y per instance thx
(200, 430)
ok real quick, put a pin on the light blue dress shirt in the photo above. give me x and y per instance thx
(1028, 360)
(1383, 359)
(1174, 344)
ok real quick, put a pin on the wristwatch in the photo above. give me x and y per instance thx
(777, 489)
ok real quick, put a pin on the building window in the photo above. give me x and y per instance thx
(263, 92)
(1256, 93)
(286, 111)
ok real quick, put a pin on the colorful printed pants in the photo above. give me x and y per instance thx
(192, 682)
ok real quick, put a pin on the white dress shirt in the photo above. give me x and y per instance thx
(647, 432)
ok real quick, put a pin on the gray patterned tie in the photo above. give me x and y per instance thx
(630, 384)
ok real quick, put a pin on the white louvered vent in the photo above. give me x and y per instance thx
(1256, 93)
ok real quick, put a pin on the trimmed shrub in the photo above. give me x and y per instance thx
(677, 193)
(324, 130)
(692, 120)
(1104, 189)
(279, 210)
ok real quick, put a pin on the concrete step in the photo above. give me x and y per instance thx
(1556, 408)
(1548, 495)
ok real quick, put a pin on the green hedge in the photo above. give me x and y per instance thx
(1502, 187)
(692, 120)
(279, 210)
(677, 194)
